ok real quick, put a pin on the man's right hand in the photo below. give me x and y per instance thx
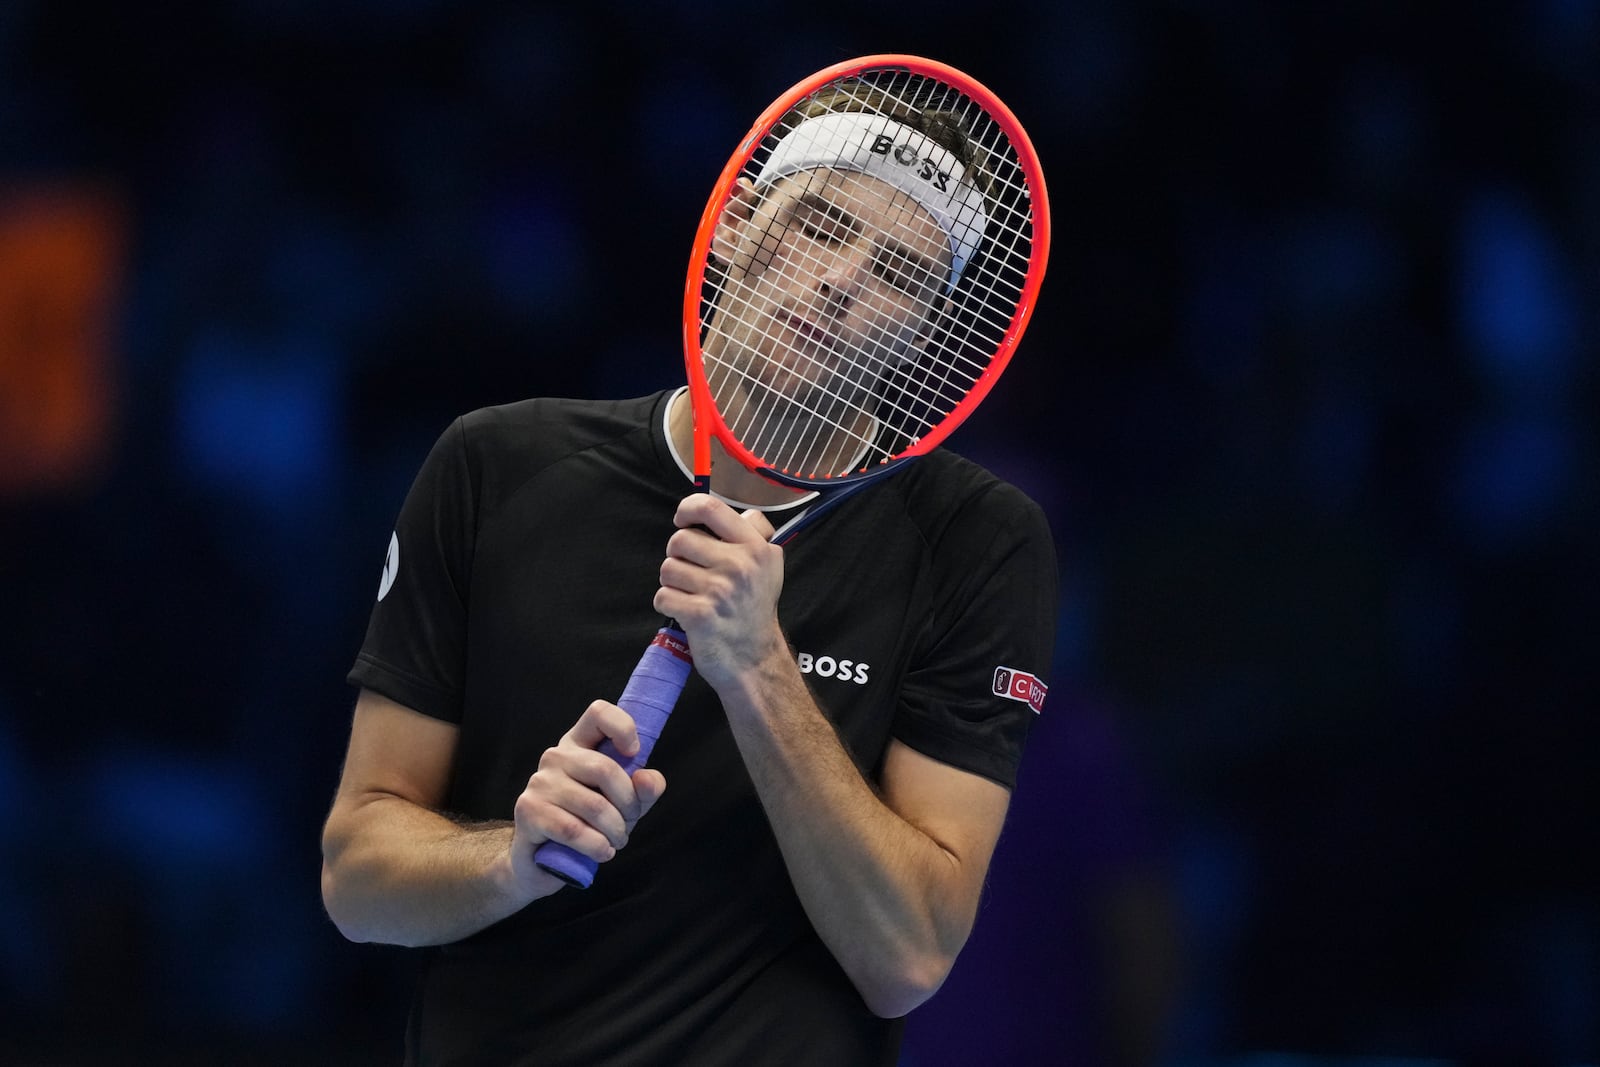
(399, 871)
(581, 797)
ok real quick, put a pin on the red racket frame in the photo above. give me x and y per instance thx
(707, 420)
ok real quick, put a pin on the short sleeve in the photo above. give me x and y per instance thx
(979, 679)
(414, 652)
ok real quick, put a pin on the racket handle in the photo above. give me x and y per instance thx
(648, 697)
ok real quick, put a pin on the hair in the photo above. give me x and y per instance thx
(945, 128)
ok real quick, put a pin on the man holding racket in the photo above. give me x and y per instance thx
(842, 756)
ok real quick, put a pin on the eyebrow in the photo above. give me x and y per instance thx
(897, 249)
(824, 206)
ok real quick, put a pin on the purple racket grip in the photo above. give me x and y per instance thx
(649, 697)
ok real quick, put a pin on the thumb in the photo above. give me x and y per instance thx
(649, 784)
(759, 522)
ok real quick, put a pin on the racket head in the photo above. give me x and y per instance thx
(858, 281)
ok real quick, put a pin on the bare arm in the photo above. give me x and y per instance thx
(396, 869)
(890, 879)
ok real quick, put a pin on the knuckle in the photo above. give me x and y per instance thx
(564, 826)
(591, 807)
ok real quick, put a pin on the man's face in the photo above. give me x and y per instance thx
(832, 278)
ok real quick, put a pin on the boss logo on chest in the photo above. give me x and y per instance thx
(844, 670)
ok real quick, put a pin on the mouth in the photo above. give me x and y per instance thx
(809, 332)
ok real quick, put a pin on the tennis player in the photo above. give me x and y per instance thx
(840, 762)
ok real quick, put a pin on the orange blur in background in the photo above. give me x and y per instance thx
(61, 262)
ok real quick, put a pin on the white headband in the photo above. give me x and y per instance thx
(895, 153)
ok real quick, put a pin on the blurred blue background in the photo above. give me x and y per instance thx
(1309, 399)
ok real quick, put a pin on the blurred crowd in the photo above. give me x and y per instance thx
(1309, 398)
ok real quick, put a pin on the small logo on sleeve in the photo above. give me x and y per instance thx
(1020, 685)
(391, 566)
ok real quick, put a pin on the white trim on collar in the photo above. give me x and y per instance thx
(666, 431)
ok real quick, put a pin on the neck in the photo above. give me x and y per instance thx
(729, 478)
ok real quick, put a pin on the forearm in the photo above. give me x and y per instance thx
(892, 904)
(398, 873)
(890, 883)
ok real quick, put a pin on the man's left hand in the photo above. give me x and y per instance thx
(721, 581)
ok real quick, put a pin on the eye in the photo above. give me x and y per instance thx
(905, 274)
(824, 229)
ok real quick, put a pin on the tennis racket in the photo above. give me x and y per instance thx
(862, 273)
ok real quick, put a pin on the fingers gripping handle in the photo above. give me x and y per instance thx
(649, 697)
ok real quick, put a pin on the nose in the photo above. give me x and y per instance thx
(840, 280)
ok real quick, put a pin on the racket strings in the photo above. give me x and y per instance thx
(812, 398)
(773, 423)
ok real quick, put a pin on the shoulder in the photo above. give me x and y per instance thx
(951, 500)
(554, 425)
(487, 456)
(506, 445)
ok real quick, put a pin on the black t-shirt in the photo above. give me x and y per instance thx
(518, 589)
